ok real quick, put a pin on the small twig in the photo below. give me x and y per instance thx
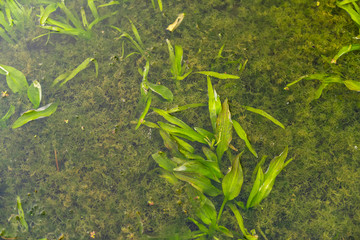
(56, 161)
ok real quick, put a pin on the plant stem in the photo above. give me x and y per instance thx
(221, 209)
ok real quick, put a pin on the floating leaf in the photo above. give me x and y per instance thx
(15, 79)
(34, 94)
(242, 134)
(31, 115)
(264, 114)
(218, 75)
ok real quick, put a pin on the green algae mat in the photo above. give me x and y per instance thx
(169, 119)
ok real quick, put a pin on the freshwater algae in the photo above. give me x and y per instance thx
(107, 173)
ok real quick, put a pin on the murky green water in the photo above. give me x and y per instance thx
(106, 180)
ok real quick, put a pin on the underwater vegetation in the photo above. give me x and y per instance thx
(107, 185)
(75, 27)
(353, 9)
(17, 83)
(13, 15)
(203, 173)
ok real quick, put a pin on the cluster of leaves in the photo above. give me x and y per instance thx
(353, 10)
(72, 25)
(17, 83)
(12, 13)
(203, 173)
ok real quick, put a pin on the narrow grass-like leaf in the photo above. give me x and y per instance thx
(137, 46)
(9, 113)
(185, 107)
(240, 221)
(46, 13)
(264, 114)
(262, 190)
(93, 8)
(34, 94)
(181, 132)
(69, 15)
(31, 115)
(345, 50)
(201, 227)
(137, 35)
(15, 79)
(223, 130)
(163, 91)
(172, 119)
(200, 183)
(347, 6)
(4, 35)
(83, 17)
(78, 69)
(242, 134)
(218, 75)
(163, 161)
(143, 114)
(160, 5)
(109, 4)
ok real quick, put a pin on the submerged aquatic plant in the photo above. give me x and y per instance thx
(13, 16)
(353, 9)
(178, 69)
(65, 77)
(146, 95)
(17, 82)
(159, 4)
(201, 171)
(325, 80)
(75, 27)
(137, 43)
